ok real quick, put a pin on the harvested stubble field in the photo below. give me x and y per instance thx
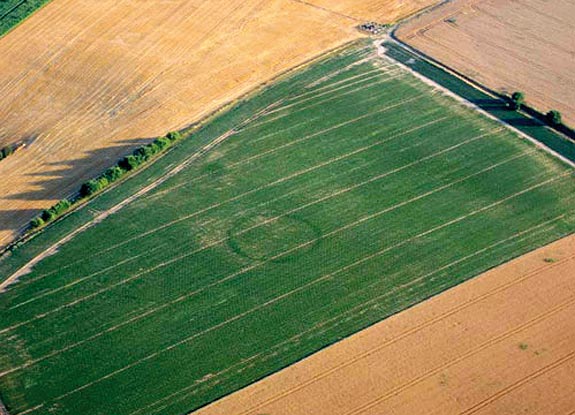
(520, 45)
(84, 81)
(500, 344)
(341, 196)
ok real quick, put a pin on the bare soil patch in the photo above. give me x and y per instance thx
(524, 45)
(503, 343)
(84, 82)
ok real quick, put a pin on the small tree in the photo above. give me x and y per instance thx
(174, 136)
(517, 99)
(36, 222)
(113, 173)
(129, 163)
(553, 117)
(60, 207)
(89, 188)
(162, 142)
(47, 215)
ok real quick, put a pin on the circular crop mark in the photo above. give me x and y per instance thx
(272, 237)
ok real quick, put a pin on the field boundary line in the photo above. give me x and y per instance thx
(360, 78)
(430, 322)
(327, 78)
(357, 85)
(447, 91)
(319, 87)
(395, 104)
(272, 150)
(483, 346)
(209, 116)
(388, 343)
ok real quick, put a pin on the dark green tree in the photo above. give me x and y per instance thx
(162, 142)
(60, 207)
(174, 136)
(129, 163)
(517, 100)
(553, 117)
(36, 222)
(113, 173)
(47, 215)
(90, 187)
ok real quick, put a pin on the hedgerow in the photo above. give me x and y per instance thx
(93, 186)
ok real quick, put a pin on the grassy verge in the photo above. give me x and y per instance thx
(494, 106)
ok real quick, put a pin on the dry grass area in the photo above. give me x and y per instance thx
(500, 344)
(84, 81)
(525, 45)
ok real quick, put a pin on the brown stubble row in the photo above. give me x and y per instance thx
(521, 45)
(83, 82)
(500, 344)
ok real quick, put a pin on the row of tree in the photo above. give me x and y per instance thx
(552, 117)
(127, 164)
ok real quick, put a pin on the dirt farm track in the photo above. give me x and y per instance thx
(86, 90)
(500, 344)
(507, 45)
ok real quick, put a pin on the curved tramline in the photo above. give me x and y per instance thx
(331, 200)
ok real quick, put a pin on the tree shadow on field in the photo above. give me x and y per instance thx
(501, 110)
(63, 179)
(8, 217)
(490, 104)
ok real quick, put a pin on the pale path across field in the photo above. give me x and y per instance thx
(500, 344)
(84, 82)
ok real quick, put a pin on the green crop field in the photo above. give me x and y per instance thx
(342, 194)
(13, 12)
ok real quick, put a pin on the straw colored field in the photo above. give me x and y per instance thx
(501, 344)
(524, 45)
(336, 198)
(84, 81)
